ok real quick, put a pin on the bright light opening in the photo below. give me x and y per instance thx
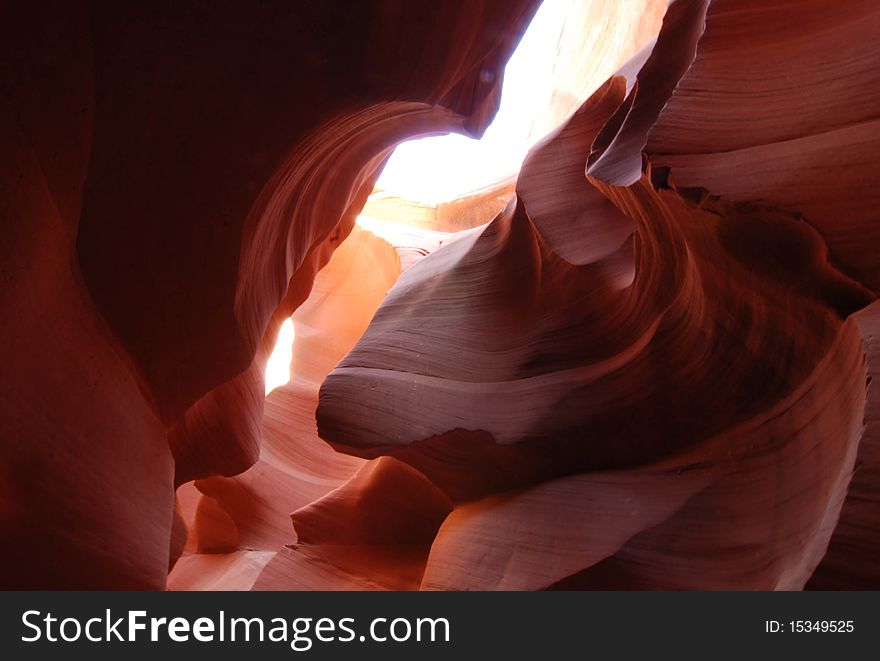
(278, 366)
(437, 169)
(452, 183)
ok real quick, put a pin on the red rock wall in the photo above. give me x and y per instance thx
(652, 370)
(627, 380)
(172, 174)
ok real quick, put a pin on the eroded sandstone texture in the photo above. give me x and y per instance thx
(651, 370)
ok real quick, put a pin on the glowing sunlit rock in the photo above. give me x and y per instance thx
(627, 340)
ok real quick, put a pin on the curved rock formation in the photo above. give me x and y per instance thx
(682, 408)
(653, 369)
(169, 173)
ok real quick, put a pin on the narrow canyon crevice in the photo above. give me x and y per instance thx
(645, 359)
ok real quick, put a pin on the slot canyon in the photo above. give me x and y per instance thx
(636, 355)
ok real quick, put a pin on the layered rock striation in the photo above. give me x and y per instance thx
(653, 369)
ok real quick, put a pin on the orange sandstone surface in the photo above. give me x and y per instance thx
(646, 362)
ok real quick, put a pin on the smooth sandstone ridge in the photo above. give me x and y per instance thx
(652, 369)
